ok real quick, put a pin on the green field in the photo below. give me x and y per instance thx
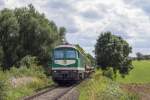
(140, 73)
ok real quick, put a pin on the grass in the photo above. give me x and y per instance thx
(34, 72)
(102, 88)
(25, 80)
(140, 73)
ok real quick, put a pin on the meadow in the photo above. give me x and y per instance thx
(140, 73)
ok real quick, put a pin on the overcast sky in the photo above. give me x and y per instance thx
(86, 19)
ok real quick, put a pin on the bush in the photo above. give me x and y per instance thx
(1, 55)
(109, 73)
(3, 90)
(28, 61)
(28, 68)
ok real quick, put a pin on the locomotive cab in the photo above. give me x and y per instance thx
(65, 64)
(68, 64)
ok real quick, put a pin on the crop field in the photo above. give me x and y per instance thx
(140, 73)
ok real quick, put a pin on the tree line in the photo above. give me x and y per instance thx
(140, 56)
(24, 31)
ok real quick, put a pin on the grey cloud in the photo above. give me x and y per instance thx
(90, 14)
(62, 13)
(65, 21)
(143, 4)
(59, 6)
(84, 40)
(118, 32)
(72, 29)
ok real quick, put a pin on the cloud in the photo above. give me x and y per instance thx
(2, 3)
(90, 15)
(58, 5)
(143, 4)
(86, 19)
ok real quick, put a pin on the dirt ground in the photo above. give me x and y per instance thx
(143, 90)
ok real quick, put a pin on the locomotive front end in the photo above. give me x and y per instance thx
(65, 64)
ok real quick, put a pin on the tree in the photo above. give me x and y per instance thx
(91, 58)
(1, 56)
(139, 56)
(9, 29)
(62, 32)
(112, 52)
(80, 49)
(25, 31)
(38, 35)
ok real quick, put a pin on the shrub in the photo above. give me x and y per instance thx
(1, 55)
(27, 68)
(3, 90)
(28, 61)
(109, 73)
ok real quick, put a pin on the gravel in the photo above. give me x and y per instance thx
(60, 93)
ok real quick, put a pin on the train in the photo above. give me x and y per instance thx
(69, 64)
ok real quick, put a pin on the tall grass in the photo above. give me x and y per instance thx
(27, 69)
(102, 88)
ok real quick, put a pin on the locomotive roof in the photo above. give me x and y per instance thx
(64, 46)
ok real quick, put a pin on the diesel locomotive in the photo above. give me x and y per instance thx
(69, 64)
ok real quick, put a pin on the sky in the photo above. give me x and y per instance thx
(85, 20)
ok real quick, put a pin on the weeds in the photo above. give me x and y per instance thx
(9, 80)
(102, 88)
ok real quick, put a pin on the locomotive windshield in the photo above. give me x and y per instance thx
(70, 54)
(58, 54)
(64, 53)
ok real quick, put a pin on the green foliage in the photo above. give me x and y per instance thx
(91, 58)
(9, 29)
(80, 49)
(109, 73)
(29, 70)
(139, 56)
(130, 96)
(102, 88)
(62, 32)
(88, 56)
(25, 31)
(113, 51)
(27, 66)
(140, 73)
(3, 89)
(27, 89)
(1, 56)
(28, 61)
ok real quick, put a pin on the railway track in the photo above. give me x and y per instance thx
(56, 93)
